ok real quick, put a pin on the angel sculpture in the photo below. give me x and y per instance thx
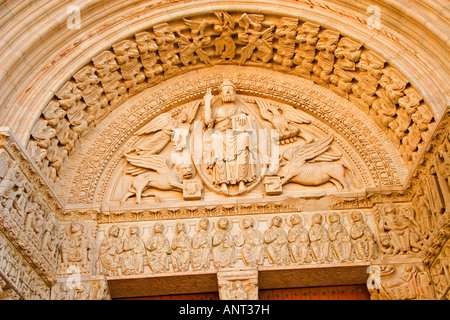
(312, 164)
(285, 119)
(164, 175)
(188, 48)
(225, 46)
(256, 39)
(163, 129)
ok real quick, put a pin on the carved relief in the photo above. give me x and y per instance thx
(109, 252)
(181, 248)
(440, 273)
(341, 245)
(363, 238)
(301, 48)
(298, 237)
(191, 51)
(80, 288)
(277, 243)
(238, 285)
(223, 249)
(27, 210)
(258, 41)
(399, 230)
(320, 241)
(133, 257)
(202, 245)
(402, 282)
(296, 168)
(158, 249)
(252, 242)
(18, 280)
(232, 150)
(75, 248)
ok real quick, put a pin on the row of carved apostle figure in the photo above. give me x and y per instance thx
(299, 245)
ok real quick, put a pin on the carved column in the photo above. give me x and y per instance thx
(239, 284)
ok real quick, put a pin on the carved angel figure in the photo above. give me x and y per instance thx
(312, 165)
(190, 51)
(224, 44)
(258, 40)
(158, 132)
(285, 119)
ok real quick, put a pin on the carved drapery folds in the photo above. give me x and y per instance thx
(286, 44)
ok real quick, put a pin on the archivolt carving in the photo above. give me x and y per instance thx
(286, 44)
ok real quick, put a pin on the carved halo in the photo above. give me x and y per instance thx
(283, 222)
(302, 220)
(140, 230)
(152, 228)
(327, 217)
(254, 222)
(314, 215)
(229, 223)
(350, 216)
(108, 230)
(186, 227)
(208, 228)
